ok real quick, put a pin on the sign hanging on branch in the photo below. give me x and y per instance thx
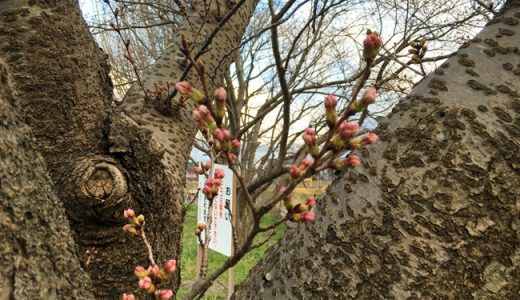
(220, 233)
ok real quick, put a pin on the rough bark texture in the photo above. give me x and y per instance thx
(100, 159)
(433, 213)
(39, 258)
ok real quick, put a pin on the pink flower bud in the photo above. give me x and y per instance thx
(204, 111)
(307, 162)
(352, 161)
(370, 138)
(371, 46)
(220, 94)
(154, 271)
(282, 189)
(348, 130)
(236, 144)
(307, 216)
(128, 297)
(295, 171)
(330, 102)
(164, 294)
(129, 213)
(219, 134)
(170, 266)
(145, 283)
(309, 137)
(310, 202)
(130, 229)
(184, 88)
(369, 96)
(140, 272)
(219, 174)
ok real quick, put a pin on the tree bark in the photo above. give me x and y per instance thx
(39, 258)
(434, 210)
(103, 159)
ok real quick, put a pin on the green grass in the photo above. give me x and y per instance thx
(189, 256)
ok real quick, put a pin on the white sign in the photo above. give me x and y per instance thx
(220, 232)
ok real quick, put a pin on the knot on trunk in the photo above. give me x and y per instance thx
(102, 182)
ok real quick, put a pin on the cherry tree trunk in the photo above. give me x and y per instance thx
(101, 158)
(39, 258)
(434, 210)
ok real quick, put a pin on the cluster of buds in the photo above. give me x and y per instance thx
(309, 137)
(212, 186)
(346, 131)
(135, 223)
(199, 229)
(345, 136)
(371, 46)
(226, 147)
(207, 120)
(298, 212)
(418, 50)
(149, 279)
(304, 165)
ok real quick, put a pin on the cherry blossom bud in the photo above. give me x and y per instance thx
(184, 88)
(128, 297)
(164, 294)
(170, 266)
(309, 136)
(219, 174)
(307, 216)
(352, 161)
(129, 214)
(348, 130)
(219, 134)
(330, 102)
(370, 138)
(198, 170)
(295, 172)
(154, 271)
(140, 219)
(147, 284)
(236, 144)
(369, 96)
(307, 162)
(130, 229)
(207, 165)
(330, 111)
(220, 94)
(310, 202)
(371, 46)
(140, 272)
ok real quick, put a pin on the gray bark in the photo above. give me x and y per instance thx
(39, 259)
(433, 212)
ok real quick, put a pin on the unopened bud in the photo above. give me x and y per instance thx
(369, 96)
(170, 266)
(371, 46)
(295, 171)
